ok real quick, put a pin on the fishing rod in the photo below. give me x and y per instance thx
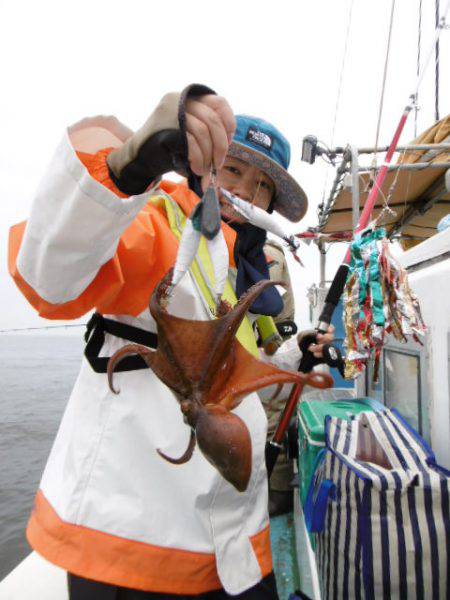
(336, 290)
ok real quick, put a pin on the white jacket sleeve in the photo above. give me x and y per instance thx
(288, 356)
(75, 222)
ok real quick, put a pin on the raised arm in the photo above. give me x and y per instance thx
(92, 238)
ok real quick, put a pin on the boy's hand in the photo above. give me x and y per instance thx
(210, 126)
(322, 339)
(186, 131)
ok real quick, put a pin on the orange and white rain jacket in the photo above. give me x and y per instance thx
(109, 508)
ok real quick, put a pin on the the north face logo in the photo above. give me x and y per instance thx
(260, 138)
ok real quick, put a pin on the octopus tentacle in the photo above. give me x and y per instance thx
(118, 356)
(187, 454)
(318, 380)
(210, 372)
(231, 322)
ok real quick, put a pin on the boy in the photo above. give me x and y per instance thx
(103, 231)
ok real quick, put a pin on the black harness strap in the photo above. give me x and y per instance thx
(95, 338)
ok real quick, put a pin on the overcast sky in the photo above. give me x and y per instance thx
(281, 60)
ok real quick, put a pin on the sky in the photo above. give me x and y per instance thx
(63, 60)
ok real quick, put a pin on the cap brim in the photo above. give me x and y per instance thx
(290, 199)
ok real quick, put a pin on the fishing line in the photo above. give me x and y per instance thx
(338, 96)
(383, 87)
(436, 68)
(43, 327)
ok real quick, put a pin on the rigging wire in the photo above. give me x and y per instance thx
(338, 95)
(436, 71)
(341, 76)
(419, 44)
(372, 179)
(441, 25)
(383, 87)
(416, 110)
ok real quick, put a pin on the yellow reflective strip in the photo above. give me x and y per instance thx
(157, 200)
(245, 333)
(169, 206)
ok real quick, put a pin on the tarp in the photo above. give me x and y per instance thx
(412, 190)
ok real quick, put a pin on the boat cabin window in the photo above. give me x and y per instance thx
(402, 385)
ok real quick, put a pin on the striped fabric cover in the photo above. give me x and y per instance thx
(387, 530)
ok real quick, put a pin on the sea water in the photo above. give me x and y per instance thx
(37, 373)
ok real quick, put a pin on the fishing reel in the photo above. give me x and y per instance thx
(332, 356)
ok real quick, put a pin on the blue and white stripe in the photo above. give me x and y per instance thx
(387, 530)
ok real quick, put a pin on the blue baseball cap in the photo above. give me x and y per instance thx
(261, 144)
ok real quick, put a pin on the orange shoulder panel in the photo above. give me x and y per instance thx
(122, 285)
(146, 250)
(108, 282)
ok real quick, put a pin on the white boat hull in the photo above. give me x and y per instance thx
(35, 578)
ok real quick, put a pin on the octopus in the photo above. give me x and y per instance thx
(210, 372)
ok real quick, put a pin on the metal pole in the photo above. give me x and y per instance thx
(411, 167)
(405, 148)
(340, 172)
(323, 258)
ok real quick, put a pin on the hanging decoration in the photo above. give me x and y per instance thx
(377, 301)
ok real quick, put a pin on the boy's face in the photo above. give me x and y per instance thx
(243, 180)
